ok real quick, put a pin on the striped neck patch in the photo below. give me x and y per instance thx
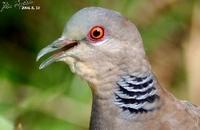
(136, 94)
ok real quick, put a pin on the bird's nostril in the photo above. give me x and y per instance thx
(54, 46)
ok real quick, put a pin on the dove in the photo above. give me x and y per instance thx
(106, 49)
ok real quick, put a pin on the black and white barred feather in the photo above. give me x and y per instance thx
(136, 93)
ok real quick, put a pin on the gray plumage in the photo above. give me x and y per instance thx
(106, 50)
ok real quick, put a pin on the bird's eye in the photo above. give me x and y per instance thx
(96, 33)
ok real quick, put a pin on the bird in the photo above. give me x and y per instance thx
(106, 49)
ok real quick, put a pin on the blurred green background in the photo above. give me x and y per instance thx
(56, 99)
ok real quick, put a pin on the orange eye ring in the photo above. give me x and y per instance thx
(96, 33)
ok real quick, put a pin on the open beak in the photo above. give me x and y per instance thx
(59, 47)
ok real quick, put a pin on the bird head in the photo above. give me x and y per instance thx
(94, 41)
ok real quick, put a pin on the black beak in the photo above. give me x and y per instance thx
(59, 46)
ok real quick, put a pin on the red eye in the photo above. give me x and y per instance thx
(96, 33)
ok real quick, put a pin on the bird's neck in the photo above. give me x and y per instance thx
(130, 97)
(128, 92)
(136, 94)
(100, 119)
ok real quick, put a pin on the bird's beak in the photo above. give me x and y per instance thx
(59, 46)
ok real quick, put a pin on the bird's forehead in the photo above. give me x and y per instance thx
(86, 18)
(92, 15)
